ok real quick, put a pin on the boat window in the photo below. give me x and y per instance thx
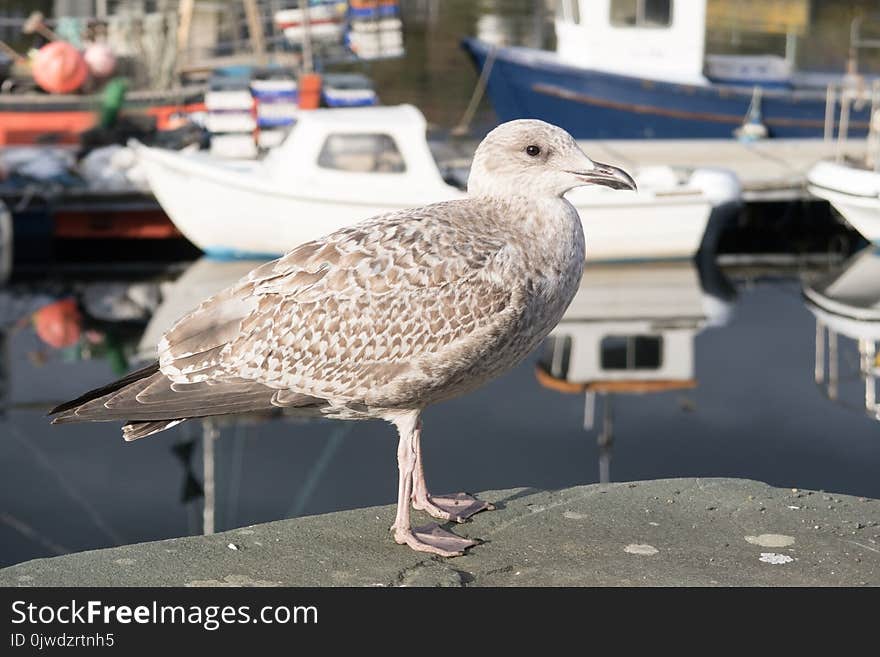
(361, 153)
(631, 352)
(641, 13)
(568, 10)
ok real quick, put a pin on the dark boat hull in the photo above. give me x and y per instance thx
(526, 83)
(34, 118)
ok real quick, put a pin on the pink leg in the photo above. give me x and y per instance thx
(429, 538)
(457, 507)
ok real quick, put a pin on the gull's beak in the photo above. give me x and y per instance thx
(607, 176)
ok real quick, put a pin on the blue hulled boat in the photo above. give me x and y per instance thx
(646, 75)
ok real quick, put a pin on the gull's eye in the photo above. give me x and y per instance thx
(533, 151)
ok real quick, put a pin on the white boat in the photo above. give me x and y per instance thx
(847, 304)
(340, 166)
(853, 190)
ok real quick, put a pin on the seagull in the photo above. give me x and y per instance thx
(385, 317)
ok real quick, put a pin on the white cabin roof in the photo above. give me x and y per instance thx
(299, 156)
(605, 35)
(393, 118)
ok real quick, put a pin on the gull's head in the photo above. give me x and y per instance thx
(530, 157)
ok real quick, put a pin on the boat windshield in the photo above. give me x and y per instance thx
(641, 13)
(361, 153)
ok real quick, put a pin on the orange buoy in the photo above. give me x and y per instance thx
(309, 88)
(59, 68)
(59, 324)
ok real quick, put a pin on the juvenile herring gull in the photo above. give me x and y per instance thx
(385, 317)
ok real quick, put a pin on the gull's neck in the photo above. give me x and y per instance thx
(541, 216)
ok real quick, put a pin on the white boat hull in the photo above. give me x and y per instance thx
(239, 222)
(226, 220)
(853, 192)
(863, 214)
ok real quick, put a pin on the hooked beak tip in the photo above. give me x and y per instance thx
(606, 175)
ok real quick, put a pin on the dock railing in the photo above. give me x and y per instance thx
(853, 92)
(847, 96)
(827, 368)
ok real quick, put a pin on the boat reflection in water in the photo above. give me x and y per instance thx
(847, 304)
(631, 330)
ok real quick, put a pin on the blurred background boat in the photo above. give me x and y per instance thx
(635, 69)
(852, 184)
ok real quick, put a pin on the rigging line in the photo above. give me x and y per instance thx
(29, 532)
(66, 486)
(317, 472)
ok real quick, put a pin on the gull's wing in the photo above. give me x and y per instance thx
(369, 315)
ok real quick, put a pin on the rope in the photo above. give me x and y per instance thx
(464, 125)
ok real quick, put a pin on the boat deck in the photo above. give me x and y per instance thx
(771, 170)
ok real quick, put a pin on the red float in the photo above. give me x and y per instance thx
(59, 324)
(59, 68)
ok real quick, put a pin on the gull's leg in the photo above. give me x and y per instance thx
(429, 538)
(457, 507)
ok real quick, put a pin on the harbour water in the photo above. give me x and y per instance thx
(753, 410)
(741, 399)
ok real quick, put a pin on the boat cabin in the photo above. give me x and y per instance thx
(666, 39)
(367, 152)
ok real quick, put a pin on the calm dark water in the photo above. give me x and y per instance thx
(742, 403)
(755, 412)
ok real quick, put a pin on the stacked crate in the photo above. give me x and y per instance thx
(375, 29)
(276, 99)
(230, 117)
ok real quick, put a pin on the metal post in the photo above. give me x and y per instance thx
(791, 48)
(819, 372)
(830, 102)
(832, 364)
(869, 353)
(209, 435)
(846, 97)
(605, 440)
(308, 57)
(558, 354)
(873, 154)
(589, 410)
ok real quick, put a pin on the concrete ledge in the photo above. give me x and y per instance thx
(699, 532)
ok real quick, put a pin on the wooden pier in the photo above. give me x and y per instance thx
(769, 170)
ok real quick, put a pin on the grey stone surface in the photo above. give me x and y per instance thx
(703, 532)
